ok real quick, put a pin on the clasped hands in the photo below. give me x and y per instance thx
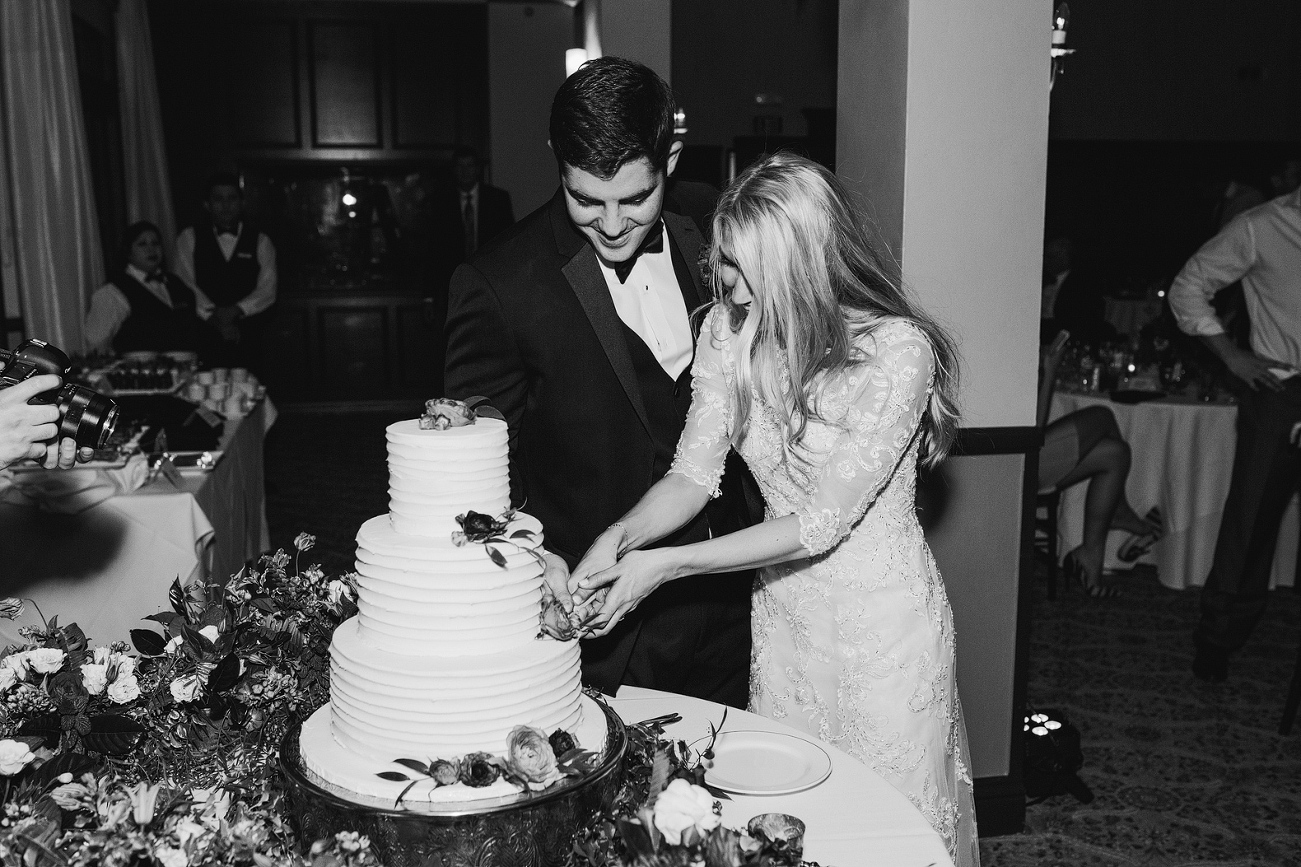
(605, 586)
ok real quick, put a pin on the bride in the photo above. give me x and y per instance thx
(832, 385)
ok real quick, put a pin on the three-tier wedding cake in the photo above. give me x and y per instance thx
(445, 656)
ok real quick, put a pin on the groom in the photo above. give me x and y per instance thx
(575, 323)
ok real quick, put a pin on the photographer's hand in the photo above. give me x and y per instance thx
(65, 454)
(26, 429)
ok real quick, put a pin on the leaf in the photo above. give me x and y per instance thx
(418, 767)
(637, 838)
(397, 802)
(225, 675)
(522, 534)
(64, 763)
(264, 603)
(48, 727)
(395, 776)
(166, 618)
(213, 615)
(496, 556)
(148, 642)
(176, 596)
(659, 777)
(112, 734)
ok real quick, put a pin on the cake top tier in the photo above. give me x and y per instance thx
(484, 433)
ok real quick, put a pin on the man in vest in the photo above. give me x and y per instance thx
(575, 323)
(232, 269)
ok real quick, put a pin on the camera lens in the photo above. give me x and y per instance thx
(87, 416)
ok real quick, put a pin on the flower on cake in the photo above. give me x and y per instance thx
(529, 754)
(442, 413)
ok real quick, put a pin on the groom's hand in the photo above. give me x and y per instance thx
(556, 577)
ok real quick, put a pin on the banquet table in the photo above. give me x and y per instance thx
(107, 566)
(854, 818)
(1182, 460)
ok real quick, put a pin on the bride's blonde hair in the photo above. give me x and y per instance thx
(817, 285)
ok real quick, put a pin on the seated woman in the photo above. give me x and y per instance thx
(143, 306)
(1087, 444)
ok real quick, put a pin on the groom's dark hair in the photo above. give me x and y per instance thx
(609, 113)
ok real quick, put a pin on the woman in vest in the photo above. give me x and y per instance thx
(143, 306)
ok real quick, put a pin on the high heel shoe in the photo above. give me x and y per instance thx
(1075, 574)
(1139, 544)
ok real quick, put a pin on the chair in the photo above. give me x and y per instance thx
(1045, 533)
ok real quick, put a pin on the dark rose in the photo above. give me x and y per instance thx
(530, 756)
(562, 742)
(68, 693)
(477, 770)
(478, 526)
(443, 413)
(444, 773)
(554, 620)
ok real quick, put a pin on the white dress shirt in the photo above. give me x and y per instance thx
(263, 294)
(650, 303)
(1262, 248)
(109, 308)
(471, 196)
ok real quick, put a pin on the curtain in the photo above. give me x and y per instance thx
(148, 187)
(49, 237)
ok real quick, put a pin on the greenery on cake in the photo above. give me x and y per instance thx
(165, 753)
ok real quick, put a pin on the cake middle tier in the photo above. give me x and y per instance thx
(418, 595)
(389, 706)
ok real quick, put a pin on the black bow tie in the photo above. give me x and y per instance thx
(652, 243)
(234, 233)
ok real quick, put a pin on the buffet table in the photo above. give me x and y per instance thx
(853, 818)
(111, 564)
(1182, 460)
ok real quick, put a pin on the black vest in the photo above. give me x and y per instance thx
(152, 324)
(225, 282)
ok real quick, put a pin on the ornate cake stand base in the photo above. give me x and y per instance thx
(536, 831)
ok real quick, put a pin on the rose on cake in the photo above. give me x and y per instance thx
(442, 413)
(529, 754)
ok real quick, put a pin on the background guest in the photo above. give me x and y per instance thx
(482, 211)
(1262, 248)
(232, 268)
(1087, 445)
(144, 306)
(1070, 300)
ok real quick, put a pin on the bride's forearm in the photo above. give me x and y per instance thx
(669, 504)
(773, 541)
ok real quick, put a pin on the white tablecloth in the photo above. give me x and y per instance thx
(1182, 461)
(110, 565)
(853, 819)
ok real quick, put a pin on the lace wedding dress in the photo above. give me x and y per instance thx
(854, 643)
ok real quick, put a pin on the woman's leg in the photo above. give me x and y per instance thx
(1096, 426)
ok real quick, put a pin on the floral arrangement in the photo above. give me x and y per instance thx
(442, 413)
(163, 753)
(533, 762)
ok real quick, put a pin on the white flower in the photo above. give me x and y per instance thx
(143, 799)
(337, 591)
(187, 830)
(681, 806)
(124, 688)
(8, 678)
(102, 655)
(46, 660)
(70, 796)
(170, 857)
(186, 688)
(211, 633)
(94, 678)
(17, 663)
(314, 574)
(173, 645)
(304, 541)
(14, 756)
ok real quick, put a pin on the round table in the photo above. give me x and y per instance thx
(1182, 461)
(853, 817)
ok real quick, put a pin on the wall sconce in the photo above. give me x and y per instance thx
(679, 122)
(1061, 19)
(574, 58)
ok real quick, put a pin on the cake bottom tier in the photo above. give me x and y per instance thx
(354, 777)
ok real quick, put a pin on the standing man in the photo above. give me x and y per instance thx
(231, 267)
(1262, 248)
(576, 324)
(482, 211)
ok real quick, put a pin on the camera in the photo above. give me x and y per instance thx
(85, 415)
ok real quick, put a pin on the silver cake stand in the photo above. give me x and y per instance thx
(528, 831)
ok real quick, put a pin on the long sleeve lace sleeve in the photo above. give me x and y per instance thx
(889, 395)
(706, 438)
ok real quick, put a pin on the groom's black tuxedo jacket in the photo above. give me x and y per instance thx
(593, 420)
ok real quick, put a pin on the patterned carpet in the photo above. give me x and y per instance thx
(1184, 773)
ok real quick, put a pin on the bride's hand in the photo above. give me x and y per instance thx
(629, 581)
(603, 554)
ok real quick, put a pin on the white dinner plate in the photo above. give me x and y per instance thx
(766, 763)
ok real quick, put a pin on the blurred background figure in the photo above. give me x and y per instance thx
(1070, 301)
(1286, 178)
(143, 306)
(232, 268)
(482, 211)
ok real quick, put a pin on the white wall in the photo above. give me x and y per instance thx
(526, 65)
(639, 30)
